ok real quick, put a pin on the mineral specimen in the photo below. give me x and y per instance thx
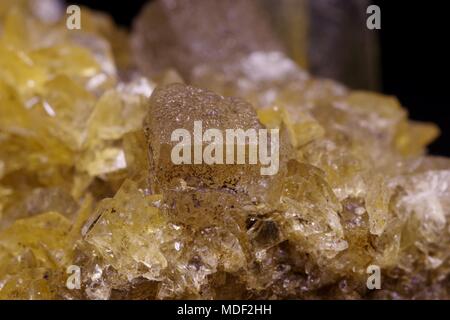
(180, 107)
(87, 179)
(180, 34)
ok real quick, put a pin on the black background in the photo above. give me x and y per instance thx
(415, 61)
(414, 56)
(167, 309)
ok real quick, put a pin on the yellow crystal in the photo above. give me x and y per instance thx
(86, 177)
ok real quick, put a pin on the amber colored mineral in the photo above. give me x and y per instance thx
(178, 106)
(87, 181)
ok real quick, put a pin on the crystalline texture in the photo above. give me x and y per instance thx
(83, 181)
(178, 106)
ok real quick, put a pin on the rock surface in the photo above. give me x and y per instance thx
(355, 187)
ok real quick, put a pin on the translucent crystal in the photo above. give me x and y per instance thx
(290, 19)
(179, 106)
(32, 253)
(87, 178)
(128, 223)
(179, 34)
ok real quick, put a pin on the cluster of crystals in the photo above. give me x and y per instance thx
(86, 177)
(71, 110)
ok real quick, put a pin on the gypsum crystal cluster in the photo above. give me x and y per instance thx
(86, 180)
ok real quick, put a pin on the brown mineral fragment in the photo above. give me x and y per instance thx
(198, 111)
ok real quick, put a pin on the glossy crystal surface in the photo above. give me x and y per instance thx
(86, 177)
